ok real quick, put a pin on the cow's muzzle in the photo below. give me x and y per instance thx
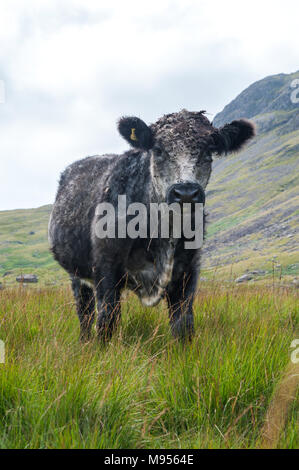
(185, 192)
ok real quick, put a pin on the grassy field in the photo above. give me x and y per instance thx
(143, 389)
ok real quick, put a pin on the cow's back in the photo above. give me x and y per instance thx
(80, 187)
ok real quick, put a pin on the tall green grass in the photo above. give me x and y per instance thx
(144, 389)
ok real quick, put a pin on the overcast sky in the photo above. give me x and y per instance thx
(72, 67)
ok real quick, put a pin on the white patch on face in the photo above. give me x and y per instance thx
(186, 170)
(160, 184)
(180, 170)
(178, 166)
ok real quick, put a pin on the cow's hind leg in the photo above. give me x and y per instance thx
(85, 303)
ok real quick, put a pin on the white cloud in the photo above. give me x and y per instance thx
(72, 68)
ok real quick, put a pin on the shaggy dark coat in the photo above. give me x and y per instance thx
(173, 152)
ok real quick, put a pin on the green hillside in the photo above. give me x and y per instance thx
(253, 196)
(24, 246)
(252, 200)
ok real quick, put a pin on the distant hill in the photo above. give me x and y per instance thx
(253, 196)
(252, 199)
(261, 98)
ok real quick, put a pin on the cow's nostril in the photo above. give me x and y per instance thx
(177, 193)
(194, 193)
(184, 193)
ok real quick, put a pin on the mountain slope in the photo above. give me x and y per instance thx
(253, 196)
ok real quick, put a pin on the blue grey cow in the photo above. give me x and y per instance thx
(170, 161)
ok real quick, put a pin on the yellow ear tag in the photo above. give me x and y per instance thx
(133, 136)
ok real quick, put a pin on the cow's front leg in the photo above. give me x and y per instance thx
(108, 291)
(180, 296)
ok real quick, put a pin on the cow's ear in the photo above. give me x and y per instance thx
(136, 132)
(231, 137)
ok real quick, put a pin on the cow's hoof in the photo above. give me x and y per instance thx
(85, 337)
(183, 328)
(104, 335)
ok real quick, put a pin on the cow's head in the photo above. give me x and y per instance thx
(181, 146)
